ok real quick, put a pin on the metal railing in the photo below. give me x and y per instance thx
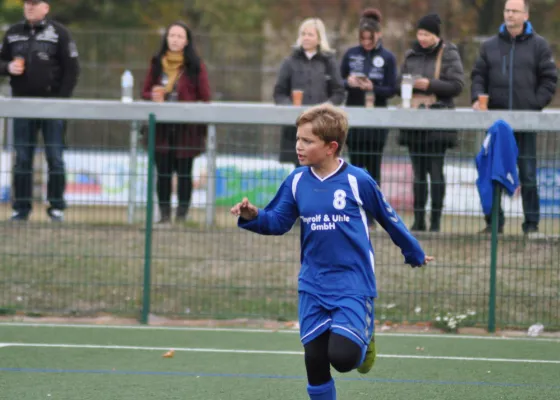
(101, 262)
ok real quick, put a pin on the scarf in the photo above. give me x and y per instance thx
(172, 64)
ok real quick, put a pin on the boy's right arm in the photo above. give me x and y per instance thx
(277, 217)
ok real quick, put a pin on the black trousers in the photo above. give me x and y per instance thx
(527, 164)
(427, 159)
(167, 164)
(366, 149)
(25, 140)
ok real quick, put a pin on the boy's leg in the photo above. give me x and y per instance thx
(353, 319)
(315, 321)
(344, 354)
(320, 383)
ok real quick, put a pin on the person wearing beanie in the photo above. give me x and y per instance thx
(438, 71)
(430, 23)
(368, 67)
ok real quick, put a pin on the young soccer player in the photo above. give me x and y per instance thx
(337, 278)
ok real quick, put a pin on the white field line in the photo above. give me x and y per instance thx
(248, 330)
(269, 352)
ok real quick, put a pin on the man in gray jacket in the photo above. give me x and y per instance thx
(516, 69)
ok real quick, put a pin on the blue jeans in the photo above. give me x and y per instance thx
(527, 164)
(25, 140)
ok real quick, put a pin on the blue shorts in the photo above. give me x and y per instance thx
(349, 316)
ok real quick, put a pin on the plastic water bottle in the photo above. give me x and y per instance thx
(406, 90)
(127, 86)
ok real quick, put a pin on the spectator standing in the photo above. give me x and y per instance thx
(176, 74)
(439, 78)
(515, 69)
(41, 59)
(312, 69)
(369, 70)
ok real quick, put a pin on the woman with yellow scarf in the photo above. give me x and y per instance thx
(176, 74)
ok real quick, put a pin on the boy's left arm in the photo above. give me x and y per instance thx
(375, 203)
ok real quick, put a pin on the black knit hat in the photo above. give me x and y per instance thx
(430, 23)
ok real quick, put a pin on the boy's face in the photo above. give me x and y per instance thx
(312, 150)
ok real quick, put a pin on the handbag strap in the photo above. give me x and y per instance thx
(438, 62)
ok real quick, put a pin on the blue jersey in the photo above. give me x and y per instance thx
(337, 257)
(497, 161)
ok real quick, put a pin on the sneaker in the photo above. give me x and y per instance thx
(164, 220)
(55, 215)
(488, 230)
(418, 227)
(19, 216)
(530, 228)
(181, 217)
(369, 360)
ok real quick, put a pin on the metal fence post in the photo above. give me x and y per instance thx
(494, 258)
(149, 221)
(132, 173)
(211, 175)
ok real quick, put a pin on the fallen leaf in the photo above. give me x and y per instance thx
(169, 354)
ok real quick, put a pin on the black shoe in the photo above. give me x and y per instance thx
(435, 227)
(530, 228)
(488, 230)
(181, 215)
(165, 214)
(165, 219)
(418, 226)
(19, 216)
(435, 224)
(55, 215)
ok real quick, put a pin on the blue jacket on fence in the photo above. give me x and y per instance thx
(497, 162)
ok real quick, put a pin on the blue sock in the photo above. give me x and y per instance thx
(326, 391)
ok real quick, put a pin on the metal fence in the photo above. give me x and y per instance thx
(111, 255)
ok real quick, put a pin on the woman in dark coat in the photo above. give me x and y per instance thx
(369, 67)
(177, 74)
(439, 79)
(313, 69)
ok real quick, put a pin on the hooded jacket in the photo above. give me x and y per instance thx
(517, 73)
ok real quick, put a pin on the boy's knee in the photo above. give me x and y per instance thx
(343, 362)
(344, 354)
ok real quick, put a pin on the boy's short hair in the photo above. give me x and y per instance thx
(328, 122)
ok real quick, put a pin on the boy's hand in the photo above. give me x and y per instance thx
(245, 210)
(427, 260)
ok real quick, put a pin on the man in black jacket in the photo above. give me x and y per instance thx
(42, 61)
(517, 71)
